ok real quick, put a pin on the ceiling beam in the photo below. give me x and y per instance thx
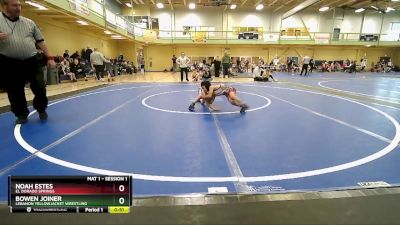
(170, 3)
(273, 2)
(299, 8)
(244, 2)
(226, 7)
(152, 1)
(362, 3)
(141, 2)
(347, 3)
(283, 5)
(258, 2)
(184, 2)
(332, 3)
(136, 2)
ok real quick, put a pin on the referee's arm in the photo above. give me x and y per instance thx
(42, 45)
(50, 59)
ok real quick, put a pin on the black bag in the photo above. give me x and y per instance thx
(262, 79)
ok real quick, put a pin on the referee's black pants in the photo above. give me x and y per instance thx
(304, 68)
(16, 74)
(184, 69)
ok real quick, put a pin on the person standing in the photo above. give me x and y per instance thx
(97, 60)
(88, 53)
(363, 65)
(217, 66)
(183, 62)
(174, 65)
(19, 37)
(312, 65)
(66, 54)
(226, 63)
(74, 56)
(306, 62)
(142, 65)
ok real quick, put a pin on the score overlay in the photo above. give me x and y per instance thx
(79, 194)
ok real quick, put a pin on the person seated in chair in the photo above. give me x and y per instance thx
(77, 69)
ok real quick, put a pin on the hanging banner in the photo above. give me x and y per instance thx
(79, 6)
(271, 37)
(149, 35)
(322, 38)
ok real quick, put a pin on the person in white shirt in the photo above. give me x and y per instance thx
(363, 64)
(97, 60)
(389, 66)
(183, 62)
(306, 62)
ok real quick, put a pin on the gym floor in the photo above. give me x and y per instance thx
(321, 132)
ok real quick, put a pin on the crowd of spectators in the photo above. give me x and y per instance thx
(78, 66)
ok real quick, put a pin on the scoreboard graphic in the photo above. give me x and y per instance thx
(77, 194)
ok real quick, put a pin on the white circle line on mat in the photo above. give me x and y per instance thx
(393, 144)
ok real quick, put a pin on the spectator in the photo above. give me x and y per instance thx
(74, 56)
(363, 65)
(226, 63)
(77, 69)
(217, 66)
(290, 65)
(66, 54)
(174, 65)
(66, 71)
(88, 53)
(142, 66)
(312, 65)
(83, 53)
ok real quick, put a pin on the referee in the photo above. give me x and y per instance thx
(18, 39)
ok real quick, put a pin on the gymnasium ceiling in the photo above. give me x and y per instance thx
(274, 5)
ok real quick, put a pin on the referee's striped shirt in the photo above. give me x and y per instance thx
(23, 34)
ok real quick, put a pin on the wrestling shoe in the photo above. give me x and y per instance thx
(244, 108)
(191, 108)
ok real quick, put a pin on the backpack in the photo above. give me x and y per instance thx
(262, 79)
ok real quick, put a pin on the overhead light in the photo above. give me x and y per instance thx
(233, 6)
(34, 4)
(368, 46)
(395, 0)
(299, 7)
(107, 32)
(359, 10)
(82, 22)
(160, 5)
(259, 6)
(374, 7)
(116, 37)
(192, 6)
(128, 4)
(323, 9)
(389, 9)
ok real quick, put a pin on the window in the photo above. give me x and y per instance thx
(395, 27)
(110, 17)
(96, 6)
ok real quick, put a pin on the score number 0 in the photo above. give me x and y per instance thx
(121, 200)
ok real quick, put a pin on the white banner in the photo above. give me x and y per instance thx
(322, 38)
(271, 37)
(80, 6)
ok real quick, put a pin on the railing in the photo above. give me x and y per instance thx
(122, 26)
